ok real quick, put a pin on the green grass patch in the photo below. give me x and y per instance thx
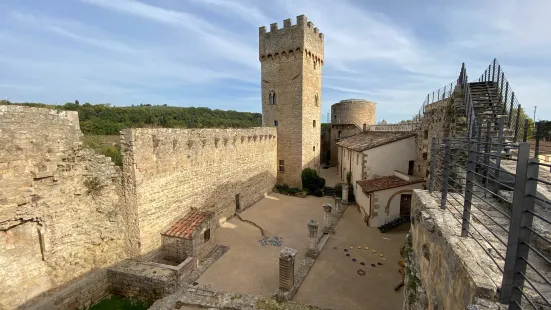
(121, 303)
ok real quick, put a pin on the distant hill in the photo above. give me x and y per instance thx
(103, 119)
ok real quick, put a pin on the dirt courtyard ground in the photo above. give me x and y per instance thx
(249, 267)
(333, 282)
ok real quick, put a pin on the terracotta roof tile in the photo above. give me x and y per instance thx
(382, 183)
(371, 139)
(184, 227)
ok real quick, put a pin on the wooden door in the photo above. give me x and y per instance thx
(405, 204)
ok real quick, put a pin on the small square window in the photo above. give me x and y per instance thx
(206, 235)
(276, 123)
(281, 165)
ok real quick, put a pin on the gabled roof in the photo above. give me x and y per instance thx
(185, 226)
(372, 139)
(382, 183)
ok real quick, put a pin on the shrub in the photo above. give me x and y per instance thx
(318, 193)
(311, 181)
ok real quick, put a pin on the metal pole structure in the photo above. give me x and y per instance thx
(446, 170)
(516, 122)
(519, 229)
(487, 149)
(432, 164)
(505, 100)
(501, 99)
(538, 137)
(468, 190)
(438, 95)
(499, 149)
(494, 70)
(511, 107)
(525, 133)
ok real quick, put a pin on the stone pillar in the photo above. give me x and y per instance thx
(328, 218)
(287, 269)
(337, 205)
(345, 194)
(312, 251)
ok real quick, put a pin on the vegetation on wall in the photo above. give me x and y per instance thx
(103, 119)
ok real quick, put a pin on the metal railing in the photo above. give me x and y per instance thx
(511, 107)
(473, 178)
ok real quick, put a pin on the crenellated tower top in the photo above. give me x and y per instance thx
(291, 40)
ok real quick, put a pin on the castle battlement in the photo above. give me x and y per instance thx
(302, 23)
(291, 41)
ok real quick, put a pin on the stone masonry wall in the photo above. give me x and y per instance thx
(443, 269)
(61, 206)
(176, 169)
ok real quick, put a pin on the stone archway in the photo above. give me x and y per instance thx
(387, 208)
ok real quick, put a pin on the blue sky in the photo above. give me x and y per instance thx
(205, 52)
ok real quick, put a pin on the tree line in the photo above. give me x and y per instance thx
(104, 119)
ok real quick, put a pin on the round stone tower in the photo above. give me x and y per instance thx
(353, 111)
(291, 60)
(349, 117)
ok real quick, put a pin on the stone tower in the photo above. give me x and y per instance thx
(291, 59)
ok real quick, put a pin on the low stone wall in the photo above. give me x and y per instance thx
(137, 279)
(443, 269)
(80, 293)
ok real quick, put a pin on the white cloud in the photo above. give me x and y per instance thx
(206, 51)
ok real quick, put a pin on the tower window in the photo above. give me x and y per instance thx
(316, 100)
(276, 123)
(314, 123)
(339, 134)
(281, 165)
(272, 97)
(314, 64)
(206, 235)
(314, 148)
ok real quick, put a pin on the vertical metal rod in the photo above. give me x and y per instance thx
(511, 107)
(446, 171)
(444, 93)
(487, 149)
(538, 137)
(498, 76)
(525, 133)
(468, 190)
(489, 69)
(501, 99)
(432, 164)
(516, 122)
(519, 233)
(505, 100)
(494, 70)
(499, 149)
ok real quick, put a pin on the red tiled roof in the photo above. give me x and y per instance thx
(185, 226)
(382, 183)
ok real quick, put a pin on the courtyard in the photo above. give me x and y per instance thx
(251, 266)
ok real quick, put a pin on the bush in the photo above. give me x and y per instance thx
(318, 193)
(311, 181)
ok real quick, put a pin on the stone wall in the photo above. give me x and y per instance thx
(443, 269)
(130, 278)
(444, 118)
(61, 206)
(176, 169)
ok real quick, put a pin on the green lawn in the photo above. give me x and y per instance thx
(120, 303)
